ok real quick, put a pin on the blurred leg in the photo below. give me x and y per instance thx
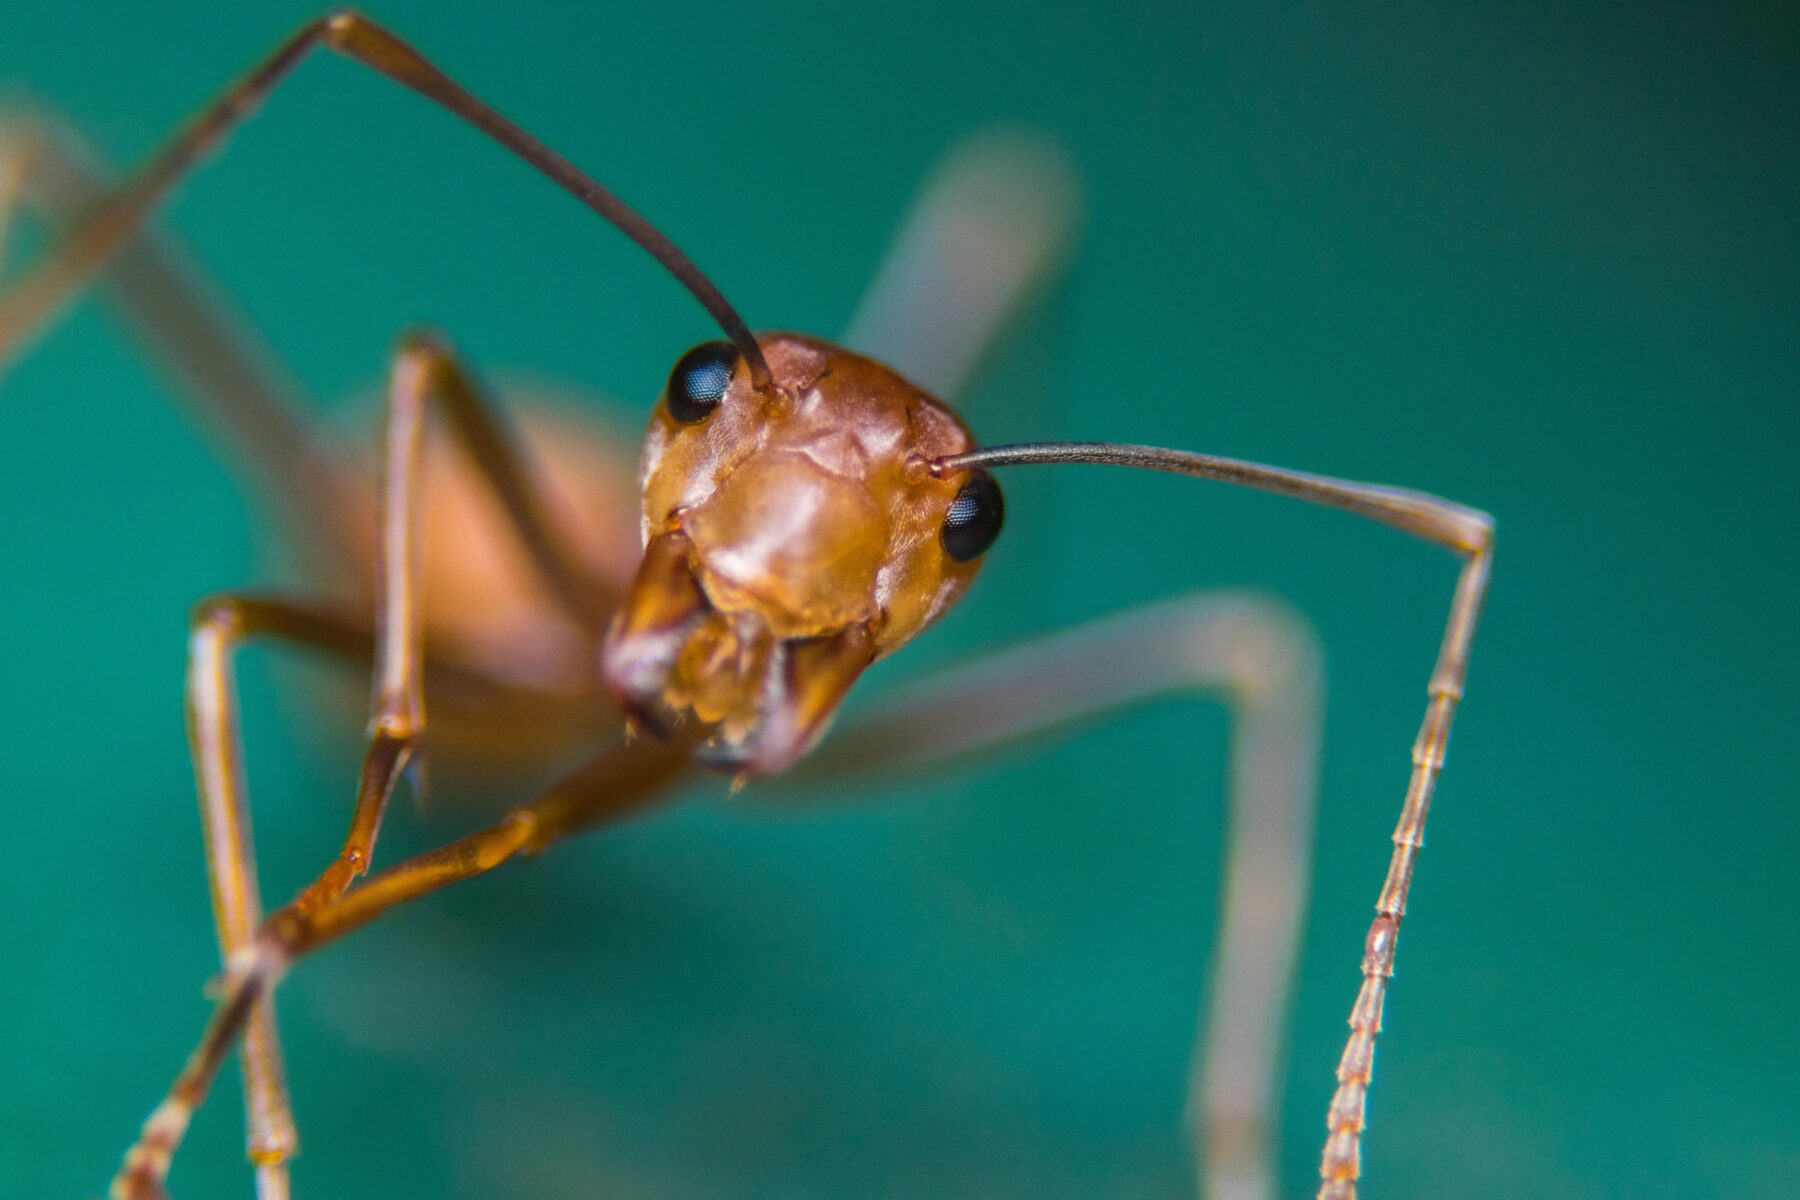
(989, 225)
(1261, 659)
(238, 392)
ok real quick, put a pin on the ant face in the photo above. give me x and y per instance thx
(792, 536)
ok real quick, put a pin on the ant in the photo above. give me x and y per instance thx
(804, 511)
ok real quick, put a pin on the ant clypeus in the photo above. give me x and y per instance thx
(805, 511)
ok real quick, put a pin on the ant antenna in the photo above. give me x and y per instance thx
(628, 221)
(353, 35)
(107, 227)
(1460, 528)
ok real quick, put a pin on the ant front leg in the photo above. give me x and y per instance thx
(221, 625)
(1262, 660)
(423, 371)
(395, 727)
(612, 786)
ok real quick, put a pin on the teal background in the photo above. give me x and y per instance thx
(1539, 258)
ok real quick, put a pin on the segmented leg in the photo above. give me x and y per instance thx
(1261, 659)
(611, 787)
(423, 371)
(44, 167)
(218, 626)
(221, 625)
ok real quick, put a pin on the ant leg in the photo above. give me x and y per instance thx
(236, 387)
(990, 224)
(612, 786)
(1262, 660)
(221, 624)
(425, 371)
(218, 628)
(523, 492)
(17, 155)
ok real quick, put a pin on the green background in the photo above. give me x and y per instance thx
(1539, 258)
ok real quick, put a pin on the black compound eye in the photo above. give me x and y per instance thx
(974, 519)
(699, 380)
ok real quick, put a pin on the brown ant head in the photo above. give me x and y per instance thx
(793, 534)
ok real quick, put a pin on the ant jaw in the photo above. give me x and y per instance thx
(756, 702)
(659, 612)
(807, 680)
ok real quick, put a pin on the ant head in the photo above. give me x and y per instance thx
(793, 534)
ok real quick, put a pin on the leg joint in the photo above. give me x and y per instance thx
(424, 345)
(222, 613)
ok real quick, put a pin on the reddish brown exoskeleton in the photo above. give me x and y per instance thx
(793, 533)
(803, 510)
